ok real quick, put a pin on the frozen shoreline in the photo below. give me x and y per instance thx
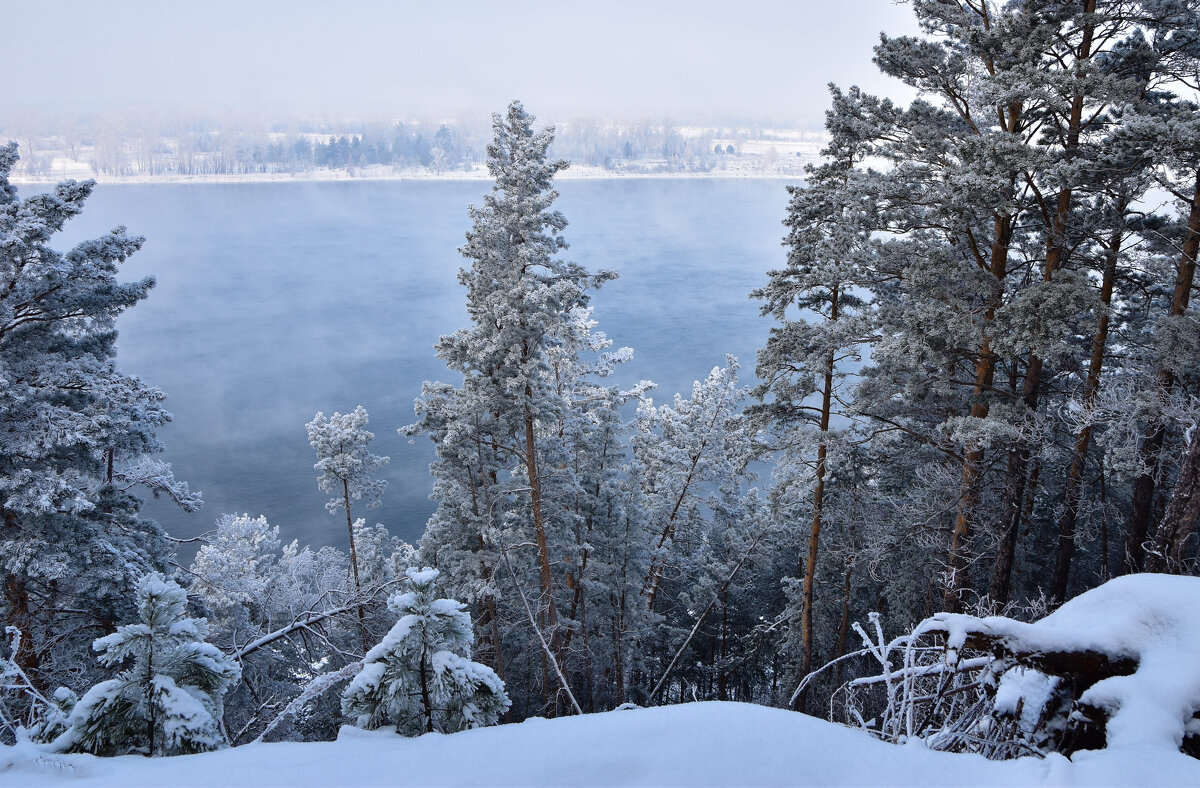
(575, 172)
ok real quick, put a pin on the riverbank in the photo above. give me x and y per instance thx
(69, 170)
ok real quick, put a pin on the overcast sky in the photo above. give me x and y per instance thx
(741, 58)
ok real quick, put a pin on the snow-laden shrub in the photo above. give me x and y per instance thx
(420, 677)
(1114, 667)
(167, 701)
(25, 713)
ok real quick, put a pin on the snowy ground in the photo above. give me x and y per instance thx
(700, 744)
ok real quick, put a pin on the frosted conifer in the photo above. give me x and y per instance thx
(77, 431)
(169, 700)
(420, 677)
(510, 438)
(347, 471)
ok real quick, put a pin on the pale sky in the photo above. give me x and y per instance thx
(741, 58)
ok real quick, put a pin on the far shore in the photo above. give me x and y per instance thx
(575, 172)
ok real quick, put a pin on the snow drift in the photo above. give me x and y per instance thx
(1146, 628)
(695, 744)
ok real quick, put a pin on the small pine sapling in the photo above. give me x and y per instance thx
(420, 676)
(169, 700)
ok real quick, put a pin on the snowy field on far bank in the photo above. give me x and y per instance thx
(697, 744)
(739, 167)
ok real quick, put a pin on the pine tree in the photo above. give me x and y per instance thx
(830, 221)
(231, 573)
(502, 437)
(1168, 136)
(168, 701)
(78, 432)
(347, 472)
(420, 677)
(275, 606)
(992, 199)
(680, 452)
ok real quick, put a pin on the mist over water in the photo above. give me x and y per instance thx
(275, 301)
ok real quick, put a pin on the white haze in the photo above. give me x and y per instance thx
(692, 60)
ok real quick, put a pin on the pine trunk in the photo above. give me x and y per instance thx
(150, 717)
(1055, 253)
(722, 674)
(1175, 532)
(16, 594)
(1155, 437)
(362, 619)
(957, 580)
(1091, 388)
(426, 701)
(1010, 528)
(843, 625)
(548, 609)
(658, 564)
(809, 572)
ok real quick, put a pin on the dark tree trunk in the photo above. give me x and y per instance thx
(1010, 528)
(1178, 525)
(16, 594)
(547, 607)
(1091, 388)
(957, 581)
(843, 625)
(426, 701)
(722, 675)
(1152, 446)
(809, 570)
(362, 618)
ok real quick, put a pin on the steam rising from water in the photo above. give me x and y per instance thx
(275, 301)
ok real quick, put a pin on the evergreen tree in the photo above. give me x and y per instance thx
(77, 432)
(276, 606)
(816, 300)
(420, 677)
(168, 701)
(992, 199)
(502, 437)
(347, 472)
(689, 458)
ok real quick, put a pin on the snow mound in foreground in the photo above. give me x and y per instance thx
(1149, 620)
(697, 744)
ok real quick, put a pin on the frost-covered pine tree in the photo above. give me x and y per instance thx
(680, 453)
(420, 678)
(77, 431)
(232, 573)
(990, 243)
(502, 437)
(347, 470)
(168, 699)
(822, 323)
(274, 607)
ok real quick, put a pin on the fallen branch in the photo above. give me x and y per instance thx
(562, 680)
(314, 689)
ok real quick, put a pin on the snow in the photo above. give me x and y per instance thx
(367, 680)
(186, 720)
(421, 577)
(694, 744)
(157, 586)
(445, 607)
(1026, 691)
(1149, 618)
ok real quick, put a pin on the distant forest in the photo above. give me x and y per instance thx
(183, 144)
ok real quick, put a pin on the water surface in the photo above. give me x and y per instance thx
(275, 301)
